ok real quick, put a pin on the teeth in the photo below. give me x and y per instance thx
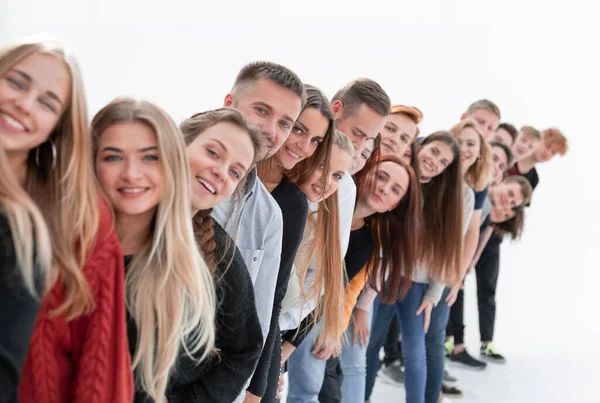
(206, 185)
(12, 122)
(133, 190)
(293, 154)
(317, 189)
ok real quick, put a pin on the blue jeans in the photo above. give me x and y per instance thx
(305, 373)
(353, 363)
(382, 317)
(434, 346)
(423, 354)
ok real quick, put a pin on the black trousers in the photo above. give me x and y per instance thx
(456, 321)
(331, 390)
(487, 279)
(274, 372)
(391, 347)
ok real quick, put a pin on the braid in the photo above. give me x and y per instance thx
(203, 228)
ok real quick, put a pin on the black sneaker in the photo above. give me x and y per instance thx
(466, 360)
(490, 353)
(451, 391)
(392, 374)
(448, 377)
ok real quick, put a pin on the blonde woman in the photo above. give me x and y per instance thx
(142, 168)
(25, 258)
(78, 350)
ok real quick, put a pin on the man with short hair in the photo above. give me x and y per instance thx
(360, 110)
(552, 143)
(504, 134)
(271, 97)
(528, 138)
(486, 114)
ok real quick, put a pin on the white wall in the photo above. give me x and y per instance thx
(538, 61)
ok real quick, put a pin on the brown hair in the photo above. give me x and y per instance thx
(510, 158)
(66, 195)
(513, 226)
(411, 112)
(442, 246)
(280, 75)
(524, 185)
(510, 129)
(193, 127)
(553, 138)
(478, 175)
(363, 91)
(484, 104)
(329, 264)
(397, 255)
(531, 132)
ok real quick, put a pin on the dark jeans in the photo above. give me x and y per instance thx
(456, 322)
(391, 347)
(274, 372)
(487, 279)
(331, 390)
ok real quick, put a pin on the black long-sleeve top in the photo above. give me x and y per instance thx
(360, 249)
(18, 312)
(238, 336)
(294, 209)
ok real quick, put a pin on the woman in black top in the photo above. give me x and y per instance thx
(311, 134)
(22, 272)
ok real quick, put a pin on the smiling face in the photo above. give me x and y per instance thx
(34, 93)
(499, 164)
(397, 134)
(469, 143)
(506, 195)
(129, 169)
(308, 132)
(524, 146)
(391, 183)
(503, 137)
(313, 187)
(361, 156)
(433, 158)
(269, 107)
(487, 121)
(499, 215)
(218, 159)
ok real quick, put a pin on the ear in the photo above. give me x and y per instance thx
(464, 116)
(338, 109)
(228, 100)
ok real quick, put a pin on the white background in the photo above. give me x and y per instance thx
(538, 60)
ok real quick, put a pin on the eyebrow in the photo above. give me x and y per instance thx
(302, 126)
(220, 143)
(28, 78)
(362, 133)
(141, 150)
(395, 126)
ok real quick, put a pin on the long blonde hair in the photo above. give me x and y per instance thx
(27, 227)
(66, 194)
(325, 247)
(478, 174)
(169, 288)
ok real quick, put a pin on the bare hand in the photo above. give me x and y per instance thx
(331, 348)
(250, 398)
(360, 328)
(425, 308)
(280, 386)
(451, 298)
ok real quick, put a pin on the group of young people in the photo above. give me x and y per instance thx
(147, 261)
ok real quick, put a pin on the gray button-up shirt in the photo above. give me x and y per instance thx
(258, 236)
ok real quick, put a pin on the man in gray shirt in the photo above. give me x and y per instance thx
(271, 97)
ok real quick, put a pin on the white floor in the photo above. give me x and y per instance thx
(524, 379)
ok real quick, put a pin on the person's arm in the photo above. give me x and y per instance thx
(238, 340)
(293, 228)
(484, 237)
(17, 316)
